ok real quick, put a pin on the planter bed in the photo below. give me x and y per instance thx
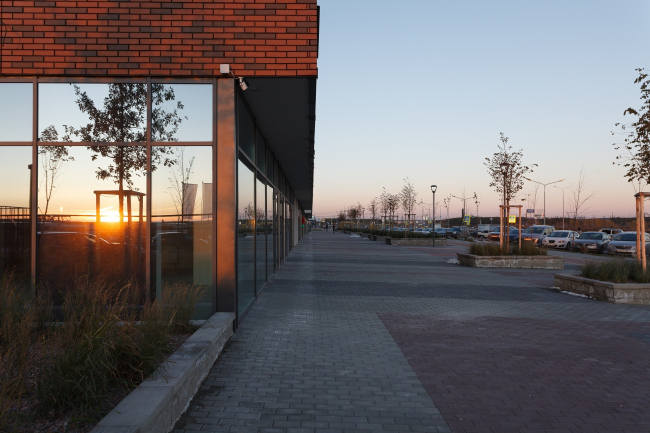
(518, 262)
(617, 293)
(415, 241)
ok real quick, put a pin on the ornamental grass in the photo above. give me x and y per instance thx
(616, 271)
(70, 362)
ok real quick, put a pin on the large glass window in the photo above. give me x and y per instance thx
(181, 225)
(270, 227)
(15, 217)
(16, 111)
(181, 112)
(260, 235)
(245, 130)
(110, 113)
(246, 216)
(91, 215)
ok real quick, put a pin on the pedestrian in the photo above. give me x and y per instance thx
(327, 227)
(333, 228)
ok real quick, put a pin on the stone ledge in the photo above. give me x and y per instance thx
(616, 293)
(415, 241)
(516, 262)
(158, 402)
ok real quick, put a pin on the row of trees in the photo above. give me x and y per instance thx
(385, 205)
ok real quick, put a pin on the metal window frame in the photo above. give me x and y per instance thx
(35, 144)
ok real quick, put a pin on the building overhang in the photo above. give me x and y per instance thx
(285, 112)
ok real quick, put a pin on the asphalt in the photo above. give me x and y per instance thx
(358, 336)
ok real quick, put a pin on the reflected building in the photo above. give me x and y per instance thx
(193, 166)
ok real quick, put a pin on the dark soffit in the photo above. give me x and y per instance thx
(285, 111)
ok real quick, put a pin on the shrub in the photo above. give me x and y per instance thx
(493, 249)
(616, 271)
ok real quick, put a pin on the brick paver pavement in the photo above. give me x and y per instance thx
(359, 336)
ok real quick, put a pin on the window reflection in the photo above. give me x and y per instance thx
(15, 227)
(188, 107)
(270, 238)
(107, 113)
(16, 111)
(90, 215)
(260, 240)
(246, 219)
(181, 229)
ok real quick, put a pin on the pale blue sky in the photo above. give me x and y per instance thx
(423, 89)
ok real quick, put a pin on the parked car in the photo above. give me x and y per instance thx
(454, 232)
(611, 232)
(496, 234)
(485, 233)
(536, 233)
(593, 242)
(441, 232)
(561, 239)
(625, 244)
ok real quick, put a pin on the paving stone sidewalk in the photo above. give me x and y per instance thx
(358, 336)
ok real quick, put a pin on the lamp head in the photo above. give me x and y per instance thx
(434, 188)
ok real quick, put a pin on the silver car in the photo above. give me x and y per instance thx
(561, 239)
(625, 244)
(592, 242)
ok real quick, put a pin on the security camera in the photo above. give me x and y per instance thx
(242, 83)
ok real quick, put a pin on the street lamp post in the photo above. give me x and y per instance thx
(544, 185)
(433, 191)
(555, 186)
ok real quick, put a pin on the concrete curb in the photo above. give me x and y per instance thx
(628, 293)
(160, 400)
(514, 262)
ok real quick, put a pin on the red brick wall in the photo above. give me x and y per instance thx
(159, 38)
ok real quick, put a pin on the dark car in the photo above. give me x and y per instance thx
(596, 242)
(454, 232)
(496, 234)
(536, 233)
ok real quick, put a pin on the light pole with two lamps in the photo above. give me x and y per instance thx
(555, 186)
(544, 185)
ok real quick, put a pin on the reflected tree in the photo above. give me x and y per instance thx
(122, 119)
(180, 188)
(53, 160)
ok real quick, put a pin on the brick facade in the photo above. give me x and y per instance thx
(180, 38)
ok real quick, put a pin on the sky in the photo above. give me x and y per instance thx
(422, 89)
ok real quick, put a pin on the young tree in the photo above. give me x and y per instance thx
(373, 206)
(179, 180)
(578, 196)
(342, 216)
(636, 144)
(408, 198)
(121, 120)
(384, 205)
(507, 172)
(53, 159)
(353, 212)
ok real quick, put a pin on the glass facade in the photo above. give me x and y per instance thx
(181, 223)
(15, 213)
(246, 219)
(260, 234)
(91, 215)
(115, 182)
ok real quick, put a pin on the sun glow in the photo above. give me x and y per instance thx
(109, 216)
